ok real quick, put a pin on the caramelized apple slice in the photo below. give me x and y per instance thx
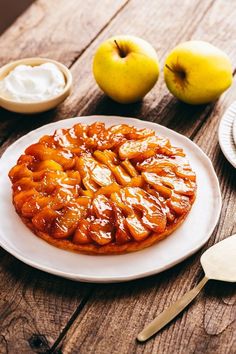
(140, 133)
(18, 172)
(50, 180)
(136, 148)
(153, 216)
(81, 235)
(179, 204)
(26, 160)
(42, 152)
(102, 175)
(118, 171)
(121, 176)
(122, 232)
(108, 190)
(73, 178)
(185, 172)
(84, 201)
(80, 130)
(156, 164)
(43, 220)
(133, 148)
(66, 138)
(89, 184)
(96, 129)
(136, 228)
(23, 184)
(83, 167)
(60, 197)
(102, 207)
(47, 165)
(101, 231)
(117, 199)
(48, 140)
(67, 222)
(86, 193)
(129, 168)
(121, 129)
(171, 151)
(179, 185)
(21, 197)
(165, 185)
(155, 181)
(93, 173)
(136, 182)
(107, 157)
(102, 137)
(33, 205)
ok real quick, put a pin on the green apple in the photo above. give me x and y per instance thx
(126, 68)
(197, 72)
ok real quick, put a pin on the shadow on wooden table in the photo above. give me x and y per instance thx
(169, 112)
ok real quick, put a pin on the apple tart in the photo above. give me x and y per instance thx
(103, 190)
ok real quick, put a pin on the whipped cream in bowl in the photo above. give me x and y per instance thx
(27, 83)
(34, 85)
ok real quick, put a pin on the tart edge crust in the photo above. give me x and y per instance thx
(110, 248)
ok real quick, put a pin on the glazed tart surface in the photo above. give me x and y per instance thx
(103, 190)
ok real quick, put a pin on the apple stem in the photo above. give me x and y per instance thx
(168, 67)
(121, 52)
(181, 73)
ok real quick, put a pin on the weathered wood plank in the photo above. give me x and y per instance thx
(34, 306)
(31, 304)
(57, 29)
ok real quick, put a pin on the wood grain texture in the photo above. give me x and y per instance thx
(31, 305)
(57, 29)
(108, 317)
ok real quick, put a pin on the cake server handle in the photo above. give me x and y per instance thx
(171, 312)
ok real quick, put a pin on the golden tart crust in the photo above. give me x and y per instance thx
(103, 190)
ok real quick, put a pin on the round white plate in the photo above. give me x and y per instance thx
(18, 240)
(225, 134)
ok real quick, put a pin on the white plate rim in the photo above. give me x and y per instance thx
(225, 134)
(103, 279)
(234, 131)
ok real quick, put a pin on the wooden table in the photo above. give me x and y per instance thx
(40, 312)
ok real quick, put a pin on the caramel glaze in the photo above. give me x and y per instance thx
(103, 190)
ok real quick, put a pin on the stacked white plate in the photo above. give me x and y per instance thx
(227, 134)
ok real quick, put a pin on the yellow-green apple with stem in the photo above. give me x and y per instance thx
(126, 68)
(197, 72)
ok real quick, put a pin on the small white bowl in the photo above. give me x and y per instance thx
(40, 106)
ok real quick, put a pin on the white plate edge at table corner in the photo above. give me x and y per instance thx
(66, 123)
(225, 131)
(234, 131)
